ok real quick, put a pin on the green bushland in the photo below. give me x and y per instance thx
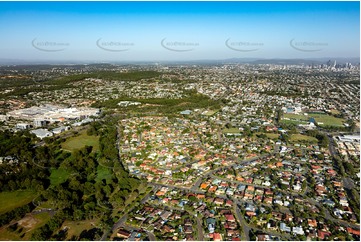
(192, 100)
(108, 75)
(29, 174)
(90, 191)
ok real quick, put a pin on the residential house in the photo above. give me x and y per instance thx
(298, 230)
(122, 233)
(285, 228)
(219, 201)
(312, 223)
(217, 237)
(323, 235)
(263, 237)
(188, 229)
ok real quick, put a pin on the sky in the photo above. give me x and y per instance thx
(171, 31)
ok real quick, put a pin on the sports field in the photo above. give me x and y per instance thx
(327, 120)
(321, 119)
(296, 116)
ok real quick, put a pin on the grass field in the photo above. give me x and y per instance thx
(11, 200)
(296, 116)
(231, 130)
(81, 141)
(58, 176)
(294, 121)
(269, 135)
(327, 120)
(301, 137)
(321, 119)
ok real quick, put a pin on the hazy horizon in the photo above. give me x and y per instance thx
(245, 60)
(178, 31)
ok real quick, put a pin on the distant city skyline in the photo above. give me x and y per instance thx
(178, 31)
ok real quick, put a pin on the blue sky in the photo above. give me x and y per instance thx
(134, 31)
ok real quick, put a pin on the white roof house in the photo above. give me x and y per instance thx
(298, 230)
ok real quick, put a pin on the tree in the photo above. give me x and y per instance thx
(321, 156)
(304, 185)
(279, 115)
(349, 169)
(193, 199)
(338, 164)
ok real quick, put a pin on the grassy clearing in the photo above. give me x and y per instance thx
(301, 137)
(14, 199)
(76, 227)
(81, 141)
(231, 130)
(327, 120)
(58, 176)
(103, 173)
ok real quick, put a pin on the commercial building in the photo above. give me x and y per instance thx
(42, 133)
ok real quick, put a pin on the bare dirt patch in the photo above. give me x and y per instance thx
(28, 222)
